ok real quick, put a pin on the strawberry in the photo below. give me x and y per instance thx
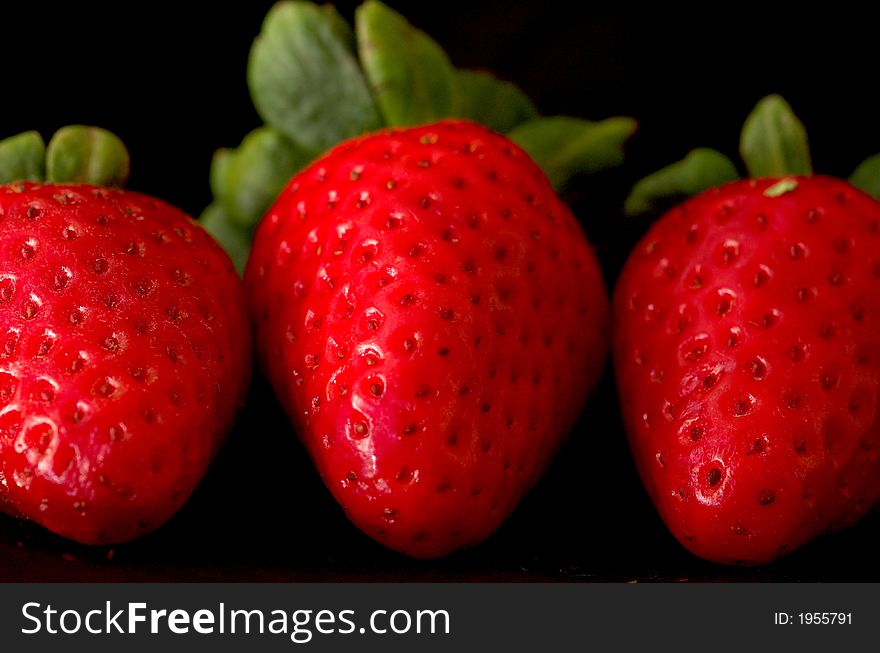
(431, 317)
(747, 354)
(124, 353)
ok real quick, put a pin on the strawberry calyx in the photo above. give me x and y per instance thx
(316, 82)
(773, 143)
(75, 154)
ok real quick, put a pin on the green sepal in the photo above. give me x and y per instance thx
(343, 30)
(563, 146)
(866, 176)
(410, 75)
(247, 180)
(305, 81)
(774, 141)
(492, 102)
(22, 158)
(701, 169)
(220, 175)
(230, 236)
(87, 155)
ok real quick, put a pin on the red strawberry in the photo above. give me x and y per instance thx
(124, 354)
(747, 353)
(431, 316)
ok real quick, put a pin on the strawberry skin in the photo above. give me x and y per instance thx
(747, 355)
(124, 354)
(431, 316)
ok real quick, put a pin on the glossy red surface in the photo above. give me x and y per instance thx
(432, 318)
(170, 79)
(747, 352)
(125, 352)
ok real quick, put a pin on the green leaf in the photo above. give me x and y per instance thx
(87, 155)
(411, 77)
(564, 146)
(340, 26)
(221, 174)
(22, 158)
(497, 104)
(867, 176)
(248, 179)
(773, 142)
(304, 80)
(701, 169)
(232, 238)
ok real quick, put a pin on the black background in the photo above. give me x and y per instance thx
(169, 78)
